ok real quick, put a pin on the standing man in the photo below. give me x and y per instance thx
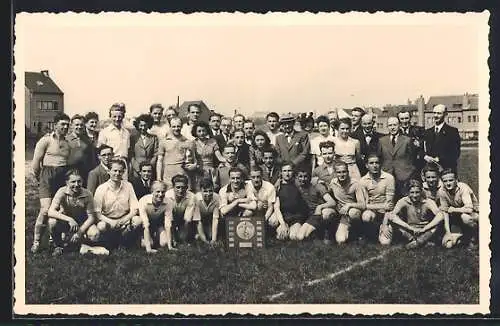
(398, 155)
(48, 167)
(293, 146)
(379, 187)
(356, 114)
(159, 129)
(238, 121)
(333, 116)
(224, 135)
(116, 135)
(249, 128)
(273, 124)
(194, 112)
(214, 122)
(368, 139)
(442, 142)
(82, 156)
(416, 134)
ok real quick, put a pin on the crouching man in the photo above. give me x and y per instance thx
(116, 206)
(72, 214)
(235, 198)
(350, 199)
(416, 219)
(153, 211)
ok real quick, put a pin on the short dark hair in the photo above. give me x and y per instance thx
(413, 183)
(340, 163)
(180, 178)
(71, 172)
(288, 163)
(236, 169)
(304, 169)
(449, 171)
(206, 183)
(326, 144)
(193, 105)
(78, 117)
(91, 115)
(156, 106)
(370, 155)
(249, 121)
(143, 117)
(145, 163)
(273, 115)
(215, 114)
(430, 167)
(404, 110)
(230, 144)
(200, 124)
(259, 132)
(119, 161)
(256, 168)
(346, 121)
(323, 118)
(103, 147)
(61, 116)
(358, 109)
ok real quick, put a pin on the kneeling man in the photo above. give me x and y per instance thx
(72, 213)
(116, 204)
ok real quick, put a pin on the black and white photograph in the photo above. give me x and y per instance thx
(251, 163)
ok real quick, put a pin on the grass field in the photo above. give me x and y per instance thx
(198, 274)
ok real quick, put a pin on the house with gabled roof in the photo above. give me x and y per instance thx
(43, 100)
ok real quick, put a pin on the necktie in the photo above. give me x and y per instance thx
(393, 141)
(437, 130)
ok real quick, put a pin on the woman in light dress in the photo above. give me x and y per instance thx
(347, 149)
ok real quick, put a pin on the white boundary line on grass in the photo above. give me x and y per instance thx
(332, 276)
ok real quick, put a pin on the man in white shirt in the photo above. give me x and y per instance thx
(273, 124)
(194, 112)
(214, 122)
(249, 128)
(116, 205)
(159, 129)
(264, 192)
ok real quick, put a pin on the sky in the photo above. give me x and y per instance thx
(257, 65)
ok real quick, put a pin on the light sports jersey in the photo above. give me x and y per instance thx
(205, 210)
(266, 193)
(54, 150)
(115, 203)
(418, 214)
(151, 214)
(350, 193)
(178, 209)
(463, 197)
(380, 191)
(76, 206)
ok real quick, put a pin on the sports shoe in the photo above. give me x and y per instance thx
(35, 247)
(58, 251)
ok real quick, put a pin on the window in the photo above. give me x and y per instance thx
(459, 120)
(474, 118)
(468, 118)
(46, 105)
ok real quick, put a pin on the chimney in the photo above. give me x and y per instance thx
(45, 73)
(420, 110)
(177, 101)
(465, 101)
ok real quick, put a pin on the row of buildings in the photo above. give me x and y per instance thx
(43, 99)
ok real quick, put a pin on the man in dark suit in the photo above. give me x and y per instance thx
(225, 133)
(293, 146)
(416, 133)
(356, 114)
(100, 174)
(398, 154)
(242, 148)
(142, 184)
(368, 139)
(442, 141)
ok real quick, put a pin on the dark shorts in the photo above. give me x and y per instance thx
(315, 220)
(292, 218)
(51, 179)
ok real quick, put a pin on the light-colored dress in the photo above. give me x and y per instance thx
(345, 150)
(173, 151)
(205, 154)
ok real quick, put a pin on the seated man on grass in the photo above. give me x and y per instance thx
(320, 207)
(325, 172)
(432, 182)
(117, 207)
(235, 198)
(153, 209)
(416, 219)
(380, 187)
(290, 209)
(72, 213)
(181, 210)
(222, 173)
(350, 199)
(264, 192)
(207, 206)
(460, 205)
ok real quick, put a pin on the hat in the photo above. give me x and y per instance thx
(288, 117)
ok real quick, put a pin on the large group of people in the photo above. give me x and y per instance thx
(169, 181)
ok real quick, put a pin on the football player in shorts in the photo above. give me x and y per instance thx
(290, 209)
(380, 187)
(460, 204)
(320, 207)
(72, 213)
(235, 198)
(207, 206)
(116, 206)
(350, 199)
(153, 211)
(181, 210)
(432, 182)
(48, 167)
(416, 219)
